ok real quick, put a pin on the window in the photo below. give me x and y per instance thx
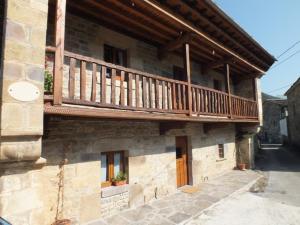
(111, 164)
(221, 150)
(116, 56)
(178, 73)
(217, 85)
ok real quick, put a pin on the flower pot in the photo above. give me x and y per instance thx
(62, 222)
(242, 166)
(119, 183)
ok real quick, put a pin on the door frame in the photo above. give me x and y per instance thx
(186, 160)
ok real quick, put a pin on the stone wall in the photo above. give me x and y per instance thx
(271, 122)
(2, 9)
(22, 191)
(151, 167)
(294, 115)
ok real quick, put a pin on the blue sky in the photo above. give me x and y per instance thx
(275, 24)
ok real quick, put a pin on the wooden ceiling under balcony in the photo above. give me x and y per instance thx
(166, 21)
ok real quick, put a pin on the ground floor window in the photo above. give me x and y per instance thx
(112, 163)
(221, 150)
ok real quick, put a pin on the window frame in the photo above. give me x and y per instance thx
(110, 166)
(221, 151)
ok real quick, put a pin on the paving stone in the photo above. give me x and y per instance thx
(160, 204)
(166, 211)
(116, 220)
(179, 217)
(180, 206)
(137, 214)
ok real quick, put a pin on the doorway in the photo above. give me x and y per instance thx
(181, 161)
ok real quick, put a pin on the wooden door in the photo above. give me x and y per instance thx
(181, 161)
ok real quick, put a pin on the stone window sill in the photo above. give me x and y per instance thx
(114, 190)
(221, 160)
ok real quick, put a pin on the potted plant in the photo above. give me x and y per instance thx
(240, 162)
(120, 179)
(48, 83)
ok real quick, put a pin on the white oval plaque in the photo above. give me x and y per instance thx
(24, 91)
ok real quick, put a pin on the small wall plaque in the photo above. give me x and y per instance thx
(24, 91)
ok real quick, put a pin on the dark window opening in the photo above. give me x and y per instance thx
(221, 150)
(217, 85)
(178, 73)
(115, 56)
(178, 153)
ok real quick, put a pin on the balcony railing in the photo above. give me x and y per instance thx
(95, 83)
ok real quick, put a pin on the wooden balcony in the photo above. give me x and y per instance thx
(93, 88)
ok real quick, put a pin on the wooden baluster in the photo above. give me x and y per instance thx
(209, 101)
(94, 82)
(157, 94)
(113, 86)
(137, 90)
(193, 99)
(122, 89)
(145, 99)
(179, 96)
(129, 103)
(174, 103)
(103, 84)
(82, 80)
(184, 96)
(150, 93)
(197, 100)
(205, 101)
(169, 91)
(163, 85)
(72, 78)
(201, 101)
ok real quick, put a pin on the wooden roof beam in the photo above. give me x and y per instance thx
(192, 28)
(230, 37)
(217, 64)
(174, 45)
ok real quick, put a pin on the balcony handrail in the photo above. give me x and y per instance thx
(215, 102)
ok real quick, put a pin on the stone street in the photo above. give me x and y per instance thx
(182, 207)
(275, 201)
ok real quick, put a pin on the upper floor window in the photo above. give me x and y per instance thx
(178, 73)
(221, 150)
(115, 55)
(217, 85)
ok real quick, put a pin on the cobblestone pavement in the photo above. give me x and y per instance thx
(180, 207)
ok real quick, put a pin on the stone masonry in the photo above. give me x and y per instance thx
(293, 96)
(151, 162)
(21, 116)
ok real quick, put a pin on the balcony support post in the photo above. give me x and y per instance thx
(187, 69)
(255, 95)
(227, 69)
(59, 51)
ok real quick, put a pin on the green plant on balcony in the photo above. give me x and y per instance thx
(48, 82)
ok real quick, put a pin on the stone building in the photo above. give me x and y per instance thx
(275, 120)
(166, 93)
(293, 99)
